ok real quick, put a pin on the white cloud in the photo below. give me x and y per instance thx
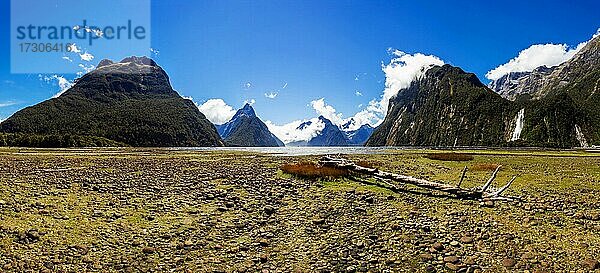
(247, 86)
(67, 59)
(271, 95)
(98, 32)
(326, 110)
(402, 71)
(155, 51)
(250, 101)
(61, 81)
(73, 48)
(290, 133)
(86, 69)
(217, 111)
(86, 56)
(7, 103)
(371, 115)
(284, 86)
(536, 56)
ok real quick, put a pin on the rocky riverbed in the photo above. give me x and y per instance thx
(151, 210)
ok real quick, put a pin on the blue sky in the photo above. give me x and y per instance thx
(320, 49)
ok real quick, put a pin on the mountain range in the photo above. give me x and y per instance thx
(548, 107)
(333, 135)
(132, 103)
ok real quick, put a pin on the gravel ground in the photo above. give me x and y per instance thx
(154, 210)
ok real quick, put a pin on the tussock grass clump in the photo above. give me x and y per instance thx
(366, 164)
(484, 167)
(309, 170)
(449, 156)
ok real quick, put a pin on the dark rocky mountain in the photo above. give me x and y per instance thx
(552, 107)
(521, 85)
(245, 129)
(331, 135)
(562, 104)
(131, 102)
(447, 107)
(359, 136)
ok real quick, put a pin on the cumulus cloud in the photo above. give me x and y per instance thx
(86, 56)
(284, 85)
(73, 48)
(7, 103)
(291, 133)
(67, 59)
(61, 81)
(86, 68)
(358, 94)
(326, 110)
(217, 111)
(402, 70)
(370, 115)
(250, 101)
(535, 56)
(271, 95)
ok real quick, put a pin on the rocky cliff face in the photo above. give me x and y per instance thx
(562, 103)
(447, 107)
(245, 129)
(131, 101)
(521, 85)
(549, 107)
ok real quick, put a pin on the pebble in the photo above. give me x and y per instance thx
(148, 250)
(509, 263)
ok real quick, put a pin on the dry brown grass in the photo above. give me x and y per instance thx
(309, 170)
(484, 167)
(449, 156)
(366, 164)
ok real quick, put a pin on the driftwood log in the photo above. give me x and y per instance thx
(482, 193)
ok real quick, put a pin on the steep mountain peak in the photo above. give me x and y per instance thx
(246, 129)
(348, 123)
(130, 102)
(247, 110)
(366, 126)
(133, 75)
(445, 107)
(141, 60)
(105, 62)
(325, 120)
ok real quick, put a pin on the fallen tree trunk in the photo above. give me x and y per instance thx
(482, 193)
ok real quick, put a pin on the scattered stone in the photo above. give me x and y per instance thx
(591, 264)
(269, 210)
(451, 259)
(264, 242)
(466, 239)
(319, 221)
(488, 204)
(426, 257)
(452, 266)
(509, 263)
(437, 246)
(148, 250)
